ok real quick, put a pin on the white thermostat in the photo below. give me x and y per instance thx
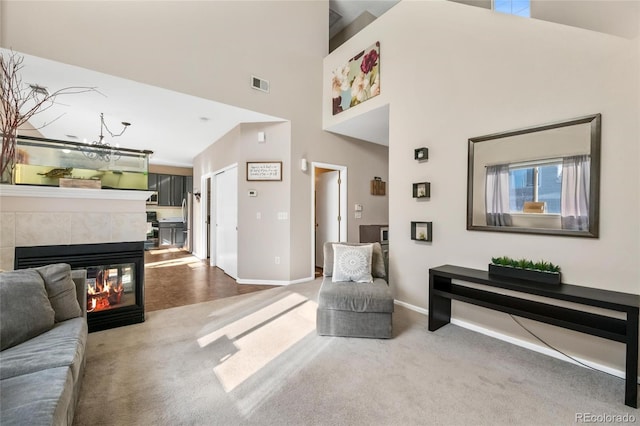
(253, 193)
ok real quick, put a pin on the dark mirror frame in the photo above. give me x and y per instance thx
(594, 185)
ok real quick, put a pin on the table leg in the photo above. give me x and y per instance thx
(439, 307)
(631, 374)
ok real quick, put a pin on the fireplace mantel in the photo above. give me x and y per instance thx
(80, 193)
(40, 215)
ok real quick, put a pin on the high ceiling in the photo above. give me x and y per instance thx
(177, 127)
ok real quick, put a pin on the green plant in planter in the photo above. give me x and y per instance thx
(541, 265)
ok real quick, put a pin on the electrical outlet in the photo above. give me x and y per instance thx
(277, 260)
(358, 215)
(258, 215)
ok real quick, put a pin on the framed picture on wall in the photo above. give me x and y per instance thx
(264, 170)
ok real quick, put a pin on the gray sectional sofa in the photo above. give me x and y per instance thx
(43, 335)
(355, 309)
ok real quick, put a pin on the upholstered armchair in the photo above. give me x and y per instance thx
(354, 299)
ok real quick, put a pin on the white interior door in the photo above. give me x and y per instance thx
(226, 220)
(327, 211)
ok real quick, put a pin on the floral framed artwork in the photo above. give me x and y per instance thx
(356, 81)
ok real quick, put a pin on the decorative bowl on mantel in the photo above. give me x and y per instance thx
(525, 274)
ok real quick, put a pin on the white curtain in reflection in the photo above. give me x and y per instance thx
(576, 173)
(497, 195)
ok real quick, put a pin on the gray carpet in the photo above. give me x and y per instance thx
(256, 359)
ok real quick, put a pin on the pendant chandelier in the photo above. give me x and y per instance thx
(100, 150)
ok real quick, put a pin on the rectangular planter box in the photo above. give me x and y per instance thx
(525, 274)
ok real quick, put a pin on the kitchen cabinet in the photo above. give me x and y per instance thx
(152, 181)
(177, 190)
(171, 234)
(172, 189)
(164, 190)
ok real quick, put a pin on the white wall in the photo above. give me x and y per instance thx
(455, 72)
(617, 17)
(261, 239)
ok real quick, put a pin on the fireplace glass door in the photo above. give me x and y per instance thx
(110, 286)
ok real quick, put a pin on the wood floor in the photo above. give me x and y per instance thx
(175, 277)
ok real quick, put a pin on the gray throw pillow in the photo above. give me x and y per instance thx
(25, 311)
(61, 290)
(377, 260)
(352, 263)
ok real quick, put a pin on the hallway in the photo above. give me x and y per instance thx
(174, 277)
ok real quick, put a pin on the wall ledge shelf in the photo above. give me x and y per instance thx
(27, 191)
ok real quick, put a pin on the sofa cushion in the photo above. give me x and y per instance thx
(25, 311)
(355, 297)
(377, 259)
(61, 290)
(352, 263)
(62, 346)
(40, 398)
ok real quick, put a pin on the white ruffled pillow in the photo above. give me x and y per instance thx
(352, 263)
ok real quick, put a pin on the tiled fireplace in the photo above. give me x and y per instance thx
(100, 230)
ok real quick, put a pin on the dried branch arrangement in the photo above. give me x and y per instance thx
(19, 103)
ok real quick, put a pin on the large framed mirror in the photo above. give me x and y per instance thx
(539, 180)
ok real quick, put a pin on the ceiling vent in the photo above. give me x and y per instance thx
(259, 84)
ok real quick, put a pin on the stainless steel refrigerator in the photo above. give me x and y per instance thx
(187, 218)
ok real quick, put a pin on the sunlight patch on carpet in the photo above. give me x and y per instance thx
(248, 322)
(261, 337)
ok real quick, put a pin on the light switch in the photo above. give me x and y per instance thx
(358, 207)
(258, 215)
(358, 215)
(283, 215)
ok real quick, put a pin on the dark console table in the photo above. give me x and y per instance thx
(442, 291)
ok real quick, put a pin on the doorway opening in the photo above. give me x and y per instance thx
(328, 210)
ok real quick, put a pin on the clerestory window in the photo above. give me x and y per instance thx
(513, 7)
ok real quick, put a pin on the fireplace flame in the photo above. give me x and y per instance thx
(107, 291)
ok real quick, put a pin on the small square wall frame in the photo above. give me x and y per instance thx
(420, 154)
(421, 231)
(422, 190)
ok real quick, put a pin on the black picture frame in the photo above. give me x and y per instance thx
(264, 171)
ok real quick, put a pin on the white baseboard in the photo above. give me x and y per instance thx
(273, 282)
(415, 308)
(522, 343)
